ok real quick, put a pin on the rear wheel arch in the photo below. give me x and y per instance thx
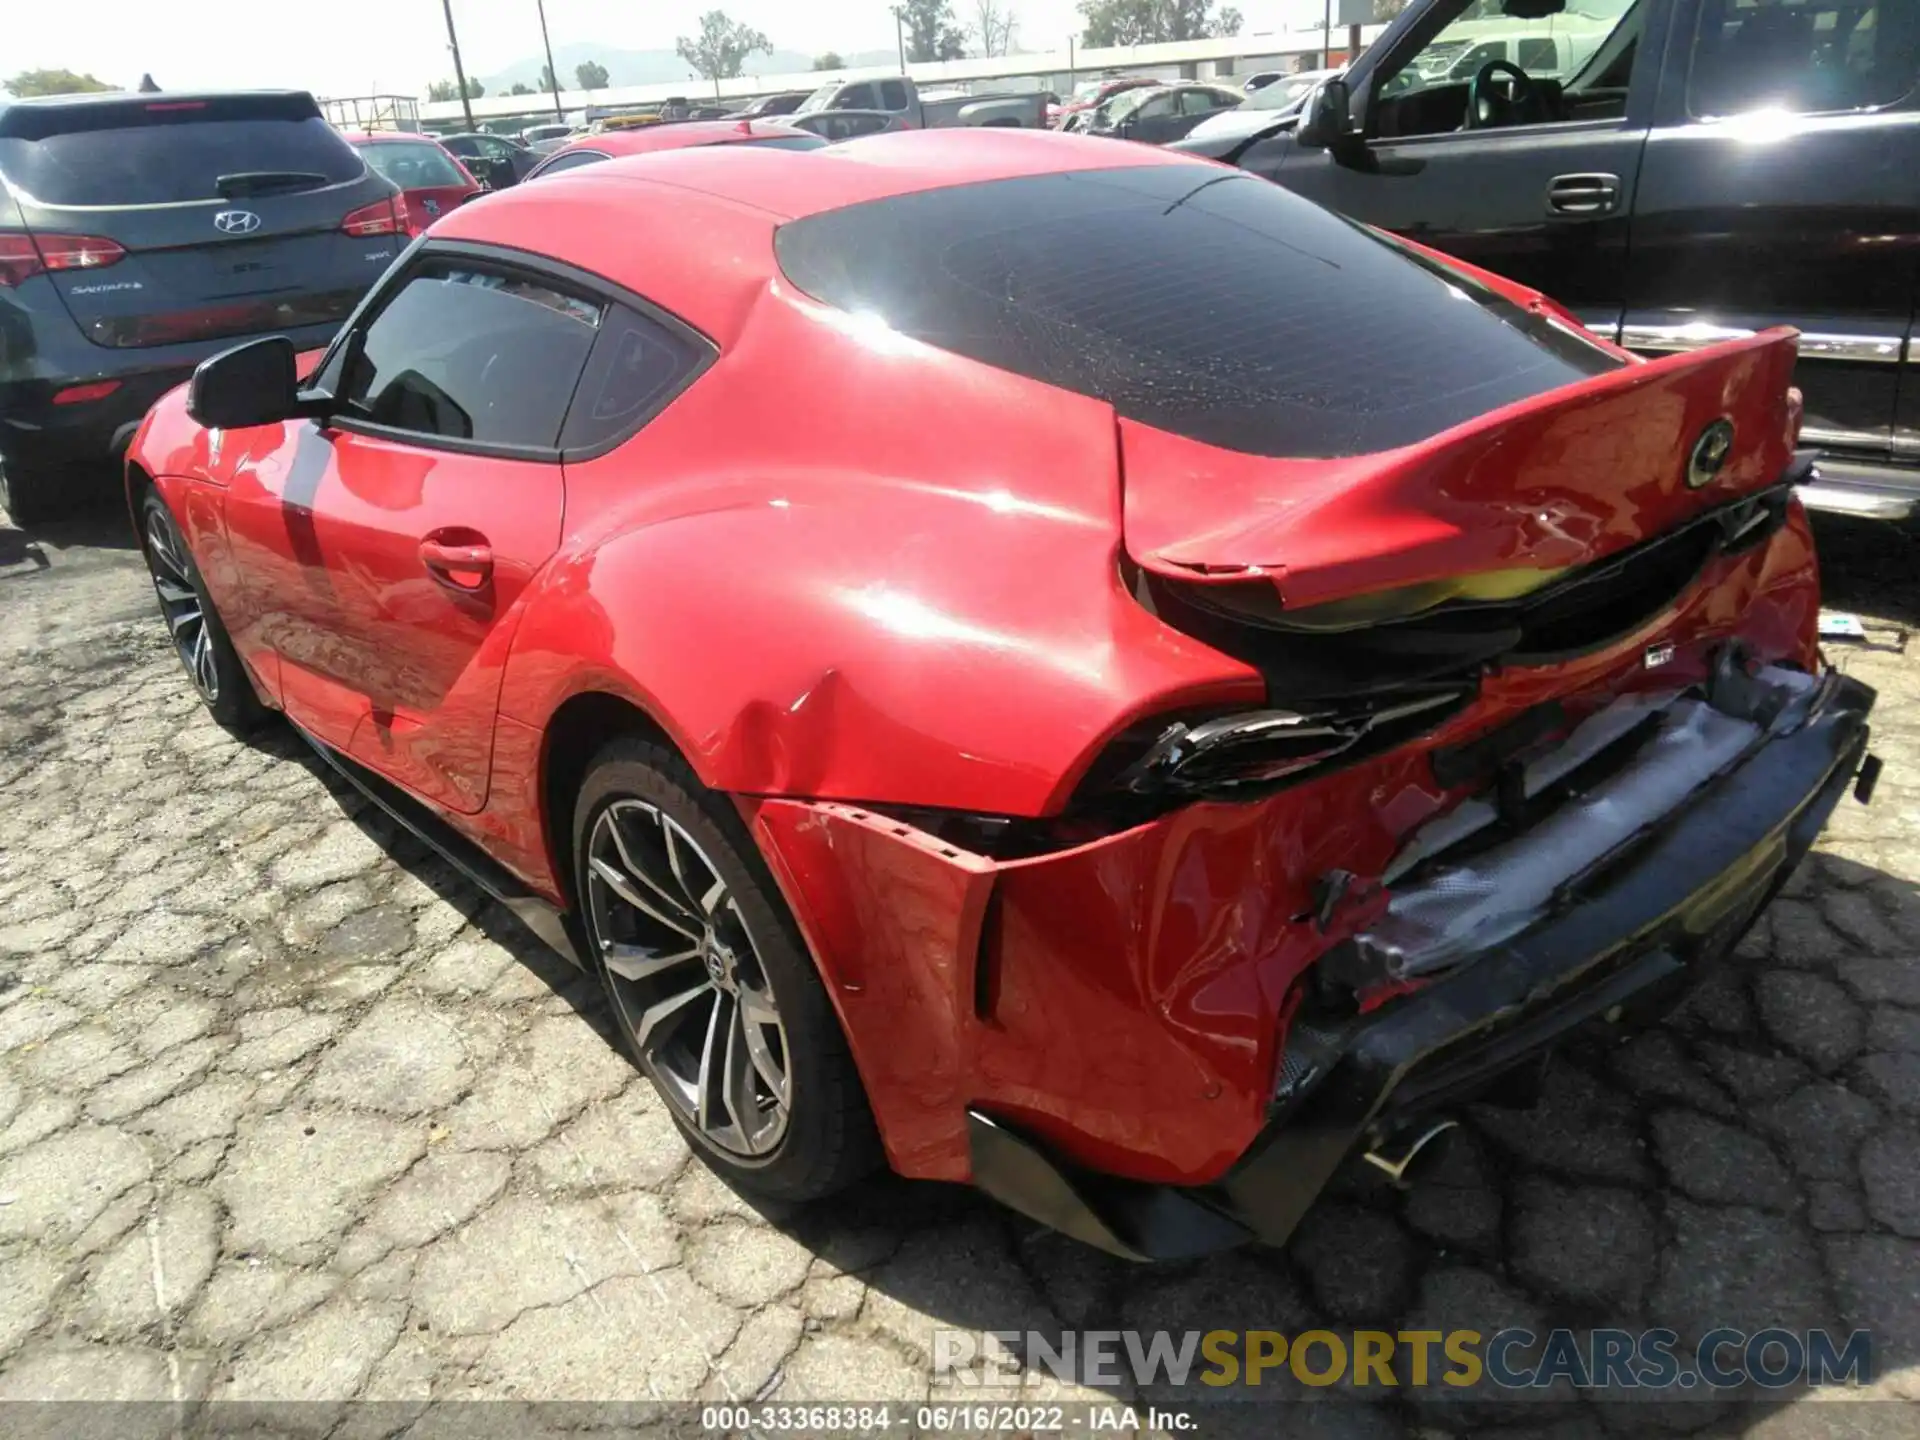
(138, 483)
(574, 734)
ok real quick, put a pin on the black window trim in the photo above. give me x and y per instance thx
(545, 165)
(534, 266)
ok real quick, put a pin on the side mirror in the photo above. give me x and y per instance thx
(495, 174)
(252, 384)
(1325, 118)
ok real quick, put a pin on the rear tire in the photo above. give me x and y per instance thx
(199, 639)
(32, 494)
(709, 981)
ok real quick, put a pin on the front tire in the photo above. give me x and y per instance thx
(709, 981)
(199, 639)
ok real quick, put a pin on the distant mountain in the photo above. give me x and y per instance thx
(653, 67)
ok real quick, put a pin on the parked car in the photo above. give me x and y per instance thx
(430, 178)
(1137, 852)
(544, 139)
(589, 149)
(1161, 115)
(493, 160)
(1089, 95)
(899, 96)
(139, 234)
(1708, 172)
(1258, 111)
(833, 125)
(1260, 79)
(783, 103)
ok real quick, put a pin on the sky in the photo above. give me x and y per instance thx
(373, 46)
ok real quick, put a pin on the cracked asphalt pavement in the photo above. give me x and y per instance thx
(289, 1110)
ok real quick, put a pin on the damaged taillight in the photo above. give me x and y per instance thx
(1230, 755)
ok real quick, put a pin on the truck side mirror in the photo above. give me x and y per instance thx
(1325, 120)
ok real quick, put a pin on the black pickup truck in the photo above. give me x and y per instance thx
(1673, 171)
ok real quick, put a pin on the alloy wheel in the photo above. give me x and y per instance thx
(687, 976)
(180, 602)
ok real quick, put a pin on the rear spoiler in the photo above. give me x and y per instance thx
(40, 119)
(1558, 479)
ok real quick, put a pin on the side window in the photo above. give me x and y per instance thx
(857, 97)
(636, 366)
(572, 160)
(893, 95)
(1576, 57)
(1157, 108)
(464, 352)
(1820, 55)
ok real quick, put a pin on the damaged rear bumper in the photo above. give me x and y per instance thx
(1623, 933)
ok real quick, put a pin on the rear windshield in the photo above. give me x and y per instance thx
(1218, 307)
(159, 152)
(412, 165)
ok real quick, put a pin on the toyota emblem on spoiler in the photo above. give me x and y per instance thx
(1710, 453)
(236, 222)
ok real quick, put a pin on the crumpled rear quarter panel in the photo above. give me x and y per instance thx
(1126, 1000)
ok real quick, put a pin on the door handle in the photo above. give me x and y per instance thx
(466, 567)
(1583, 195)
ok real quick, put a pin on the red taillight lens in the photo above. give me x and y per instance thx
(24, 256)
(383, 217)
(81, 394)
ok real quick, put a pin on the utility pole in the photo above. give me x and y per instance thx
(552, 74)
(1326, 42)
(900, 37)
(459, 75)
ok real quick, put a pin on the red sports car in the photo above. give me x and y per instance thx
(645, 139)
(1065, 664)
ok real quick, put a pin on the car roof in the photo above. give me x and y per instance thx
(691, 228)
(645, 139)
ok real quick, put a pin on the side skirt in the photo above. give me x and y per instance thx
(545, 919)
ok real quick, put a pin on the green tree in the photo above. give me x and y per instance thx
(829, 61)
(932, 33)
(721, 47)
(1154, 22)
(446, 90)
(591, 75)
(546, 79)
(54, 82)
(520, 87)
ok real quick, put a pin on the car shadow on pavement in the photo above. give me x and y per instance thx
(18, 550)
(1748, 1163)
(452, 885)
(100, 523)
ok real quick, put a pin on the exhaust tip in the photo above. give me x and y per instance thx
(1402, 1162)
